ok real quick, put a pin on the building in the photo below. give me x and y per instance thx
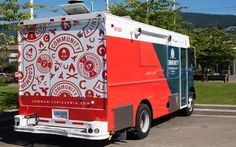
(13, 54)
(12, 57)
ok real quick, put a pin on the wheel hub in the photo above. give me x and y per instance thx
(190, 103)
(144, 121)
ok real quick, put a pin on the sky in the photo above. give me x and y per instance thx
(201, 6)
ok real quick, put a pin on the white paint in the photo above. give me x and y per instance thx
(158, 35)
(66, 131)
(215, 110)
(214, 105)
(216, 116)
(31, 9)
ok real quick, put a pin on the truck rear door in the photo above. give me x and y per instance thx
(69, 63)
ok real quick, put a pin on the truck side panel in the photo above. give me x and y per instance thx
(130, 83)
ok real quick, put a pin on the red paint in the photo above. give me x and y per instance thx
(89, 109)
(78, 123)
(43, 120)
(64, 54)
(129, 82)
(60, 122)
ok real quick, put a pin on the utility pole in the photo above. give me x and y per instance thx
(91, 9)
(107, 5)
(174, 5)
(195, 57)
(234, 67)
(174, 10)
(31, 9)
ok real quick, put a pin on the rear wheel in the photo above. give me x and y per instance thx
(143, 121)
(189, 110)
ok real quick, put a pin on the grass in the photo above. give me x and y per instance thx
(8, 97)
(215, 93)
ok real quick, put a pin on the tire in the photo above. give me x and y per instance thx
(143, 121)
(190, 108)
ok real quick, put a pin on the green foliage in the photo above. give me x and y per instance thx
(213, 46)
(8, 97)
(11, 68)
(157, 13)
(2, 81)
(5, 42)
(11, 12)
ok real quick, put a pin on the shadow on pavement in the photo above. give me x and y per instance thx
(8, 136)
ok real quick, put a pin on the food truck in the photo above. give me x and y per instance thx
(92, 75)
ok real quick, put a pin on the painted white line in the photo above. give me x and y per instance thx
(219, 116)
(215, 110)
(215, 105)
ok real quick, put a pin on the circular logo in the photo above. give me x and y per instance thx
(26, 79)
(30, 53)
(65, 89)
(101, 50)
(66, 25)
(33, 32)
(89, 94)
(27, 94)
(64, 54)
(64, 94)
(20, 75)
(44, 63)
(89, 66)
(37, 94)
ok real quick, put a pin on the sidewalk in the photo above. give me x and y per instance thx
(232, 79)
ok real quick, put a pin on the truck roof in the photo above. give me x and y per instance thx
(177, 39)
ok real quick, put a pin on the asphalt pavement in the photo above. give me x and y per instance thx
(169, 131)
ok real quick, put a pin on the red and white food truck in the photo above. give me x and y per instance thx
(92, 75)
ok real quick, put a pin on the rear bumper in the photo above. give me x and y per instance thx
(76, 132)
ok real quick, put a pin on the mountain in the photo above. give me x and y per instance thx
(201, 20)
(197, 20)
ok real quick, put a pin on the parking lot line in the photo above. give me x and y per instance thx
(220, 116)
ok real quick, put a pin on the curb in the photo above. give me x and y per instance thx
(205, 109)
(212, 106)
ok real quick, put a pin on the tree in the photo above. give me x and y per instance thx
(11, 12)
(213, 47)
(5, 42)
(157, 13)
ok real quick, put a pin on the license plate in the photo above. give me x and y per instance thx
(60, 114)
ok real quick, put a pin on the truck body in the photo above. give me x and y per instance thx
(86, 75)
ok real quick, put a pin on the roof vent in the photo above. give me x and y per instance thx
(75, 1)
(75, 7)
